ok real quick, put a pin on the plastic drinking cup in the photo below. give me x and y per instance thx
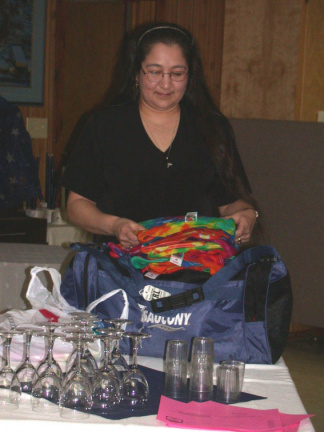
(176, 366)
(241, 367)
(201, 370)
(228, 384)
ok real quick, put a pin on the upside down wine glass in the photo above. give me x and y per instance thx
(10, 389)
(49, 361)
(134, 388)
(108, 336)
(88, 364)
(105, 385)
(86, 322)
(47, 390)
(117, 358)
(76, 396)
(26, 372)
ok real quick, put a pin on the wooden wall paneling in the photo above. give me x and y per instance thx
(208, 25)
(204, 18)
(260, 58)
(93, 33)
(142, 11)
(312, 82)
(300, 80)
(191, 11)
(285, 26)
(176, 12)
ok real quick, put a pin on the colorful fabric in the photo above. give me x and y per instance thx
(163, 227)
(208, 261)
(172, 244)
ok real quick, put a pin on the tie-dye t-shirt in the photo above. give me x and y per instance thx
(168, 245)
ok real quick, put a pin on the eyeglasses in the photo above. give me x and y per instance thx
(156, 76)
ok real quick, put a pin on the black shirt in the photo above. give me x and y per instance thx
(116, 165)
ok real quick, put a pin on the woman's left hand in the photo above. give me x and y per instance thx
(244, 218)
(244, 221)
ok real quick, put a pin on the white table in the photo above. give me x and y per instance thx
(64, 233)
(271, 381)
(60, 232)
(16, 260)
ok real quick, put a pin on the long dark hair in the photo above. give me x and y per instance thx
(215, 128)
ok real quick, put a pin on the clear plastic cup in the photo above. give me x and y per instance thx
(176, 367)
(228, 384)
(201, 369)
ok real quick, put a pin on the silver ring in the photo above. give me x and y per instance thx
(239, 240)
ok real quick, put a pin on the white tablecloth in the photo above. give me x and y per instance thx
(64, 234)
(271, 381)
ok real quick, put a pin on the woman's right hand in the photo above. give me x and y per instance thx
(124, 230)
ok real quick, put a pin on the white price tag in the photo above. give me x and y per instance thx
(152, 293)
(151, 275)
(191, 216)
(177, 259)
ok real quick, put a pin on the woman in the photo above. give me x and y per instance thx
(159, 148)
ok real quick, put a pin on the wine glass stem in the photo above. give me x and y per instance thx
(135, 349)
(50, 351)
(107, 360)
(79, 355)
(28, 339)
(7, 356)
(106, 348)
(116, 349)
(116, 352)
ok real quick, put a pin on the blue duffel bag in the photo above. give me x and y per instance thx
(245, 307)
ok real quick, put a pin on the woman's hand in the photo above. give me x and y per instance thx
(124, 230)
(245, 218)
(84, 213)
(244, 221)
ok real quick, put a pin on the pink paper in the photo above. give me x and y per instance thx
(213, 415)
(291, 428)
(290, 422)
(290, 419)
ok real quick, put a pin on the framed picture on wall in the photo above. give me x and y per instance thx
(22, 50)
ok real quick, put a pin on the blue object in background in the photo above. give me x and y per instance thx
(19, 179)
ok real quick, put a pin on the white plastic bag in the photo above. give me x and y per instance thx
(39, 296)
(46, 306)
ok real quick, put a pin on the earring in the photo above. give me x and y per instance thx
(137, 85)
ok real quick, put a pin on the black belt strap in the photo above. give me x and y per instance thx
(178, 301)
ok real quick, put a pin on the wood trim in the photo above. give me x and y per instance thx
(312, 98)
(300, 81)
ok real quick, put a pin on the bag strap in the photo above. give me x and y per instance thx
(178, 301)
(257, 254)
(125, 312)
